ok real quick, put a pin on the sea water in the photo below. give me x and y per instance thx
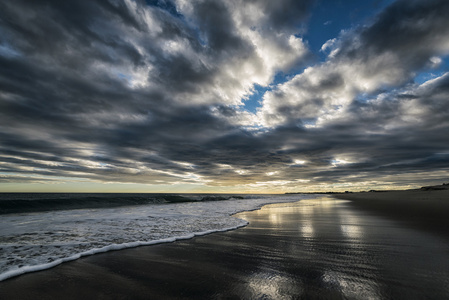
(43, 239)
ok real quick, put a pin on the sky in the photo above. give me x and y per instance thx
(223, 96)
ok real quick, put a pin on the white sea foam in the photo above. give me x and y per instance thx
(37, 241)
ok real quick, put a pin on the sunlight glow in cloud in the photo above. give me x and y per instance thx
(250, 96)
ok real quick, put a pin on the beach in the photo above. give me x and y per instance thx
(423, 209)
(216, 149)
(323, 248)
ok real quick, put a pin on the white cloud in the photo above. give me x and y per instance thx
(362, 61)
(328, 45)
(267, 52)
(339, 161)
(299, 162)
(272, 173)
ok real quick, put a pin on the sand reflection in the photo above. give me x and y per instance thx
(352, 231)
(268, 285)
(350, 288)
(274, 218)
(327, 230)
(351, 226)
(307, 230)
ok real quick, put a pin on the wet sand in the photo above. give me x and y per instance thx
(424, 210)
(312, 249)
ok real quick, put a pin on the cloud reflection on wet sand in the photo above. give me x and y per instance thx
(325, 248)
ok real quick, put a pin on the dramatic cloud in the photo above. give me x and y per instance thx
(158, 93)
(407, 37)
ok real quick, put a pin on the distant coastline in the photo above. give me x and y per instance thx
(444, 186)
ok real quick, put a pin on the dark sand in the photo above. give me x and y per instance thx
(425, 210)
(313, 249)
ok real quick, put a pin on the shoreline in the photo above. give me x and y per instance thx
(319, 248)
(421, 209)
(26, 269)
(110, 248)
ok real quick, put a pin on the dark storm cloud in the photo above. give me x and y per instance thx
(404, 36)
(122, 91)
(285, 14)
(217, 27)
(404, 23)
(67, 33)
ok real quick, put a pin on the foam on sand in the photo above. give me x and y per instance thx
(37, 241)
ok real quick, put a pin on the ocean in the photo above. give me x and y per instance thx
(39, 230)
